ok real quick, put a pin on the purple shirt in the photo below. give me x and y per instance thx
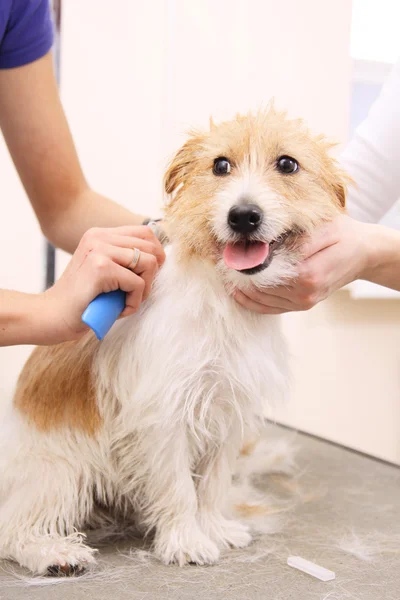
(26, 31)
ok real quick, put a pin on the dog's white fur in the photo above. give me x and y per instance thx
(194, 370)
(178, 384)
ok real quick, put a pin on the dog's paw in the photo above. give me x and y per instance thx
(62, 561)
(66, 570)
(226, 533)
(61, 557)
(185, 544)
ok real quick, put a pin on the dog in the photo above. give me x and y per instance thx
(149, 422)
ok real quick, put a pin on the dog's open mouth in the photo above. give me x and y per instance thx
(248, 256)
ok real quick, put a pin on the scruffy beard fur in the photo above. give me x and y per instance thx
(149, 422)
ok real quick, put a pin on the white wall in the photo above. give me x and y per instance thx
(346, 363)
(135, 76)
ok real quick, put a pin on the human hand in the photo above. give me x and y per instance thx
(337, 254)
(101, 264)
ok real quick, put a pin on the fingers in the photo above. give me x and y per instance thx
(101, 264)
(104, 248)
(305, 292)
(146, 267)
(101, 274)
(148, 246)
(282, 292)
(141, 237)
(323, 237)
(133, 285)
(260, 307)
(141, 231)
(266, 299)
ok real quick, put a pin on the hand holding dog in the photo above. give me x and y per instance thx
(339, 252)
(100, 264)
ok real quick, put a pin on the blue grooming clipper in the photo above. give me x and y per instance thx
(105, 309)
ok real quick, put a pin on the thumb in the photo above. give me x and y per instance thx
(322, 238)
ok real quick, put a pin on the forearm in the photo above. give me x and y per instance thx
(383, 261)
(89, 209)
(373, 155)
(23, 318)
(41, 145)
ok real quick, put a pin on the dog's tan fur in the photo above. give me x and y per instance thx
(259, 139)
(56, 388)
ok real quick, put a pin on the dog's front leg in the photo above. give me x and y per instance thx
(169, 500)
(213, 490)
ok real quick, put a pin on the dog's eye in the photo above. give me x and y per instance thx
(222, 166)
(287, 165)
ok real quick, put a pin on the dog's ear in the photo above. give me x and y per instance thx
(335, 177)
(340, 190)
(341, 181)
(179, 167)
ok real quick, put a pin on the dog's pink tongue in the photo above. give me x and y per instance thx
(243, 256)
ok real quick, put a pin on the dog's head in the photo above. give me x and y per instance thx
(245, 193)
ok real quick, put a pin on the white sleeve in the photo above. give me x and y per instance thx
(372, 157)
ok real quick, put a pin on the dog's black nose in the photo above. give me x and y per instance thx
(245, 218)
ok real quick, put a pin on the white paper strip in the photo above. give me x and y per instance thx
(310, 568)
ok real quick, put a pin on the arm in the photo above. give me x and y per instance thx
(101, 263)
(372, 157)
(37, 135)
(383, 266)
(40, 143)
(23, 319)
